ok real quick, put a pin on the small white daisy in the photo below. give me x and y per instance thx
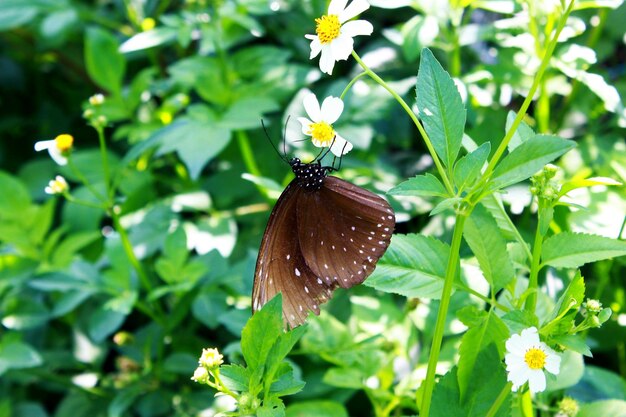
(320, 124)
(527, 358)
(57, 186)
(58, 147)
(334, 34)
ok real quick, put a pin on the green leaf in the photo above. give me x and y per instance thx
(484, 238)
(282, 347)
(208, 306)
(604, 408)
(149, 39)
(344, 378)
(566, 307)
(421, 185)
(261, 332)
(571, 371)
(103, 322)
(319, 408)
(413, 266)
(491, 331)
(598, 383)
(175, 247)
(575, 343)
(196, 142)
(571, 250)
(527, 159)
(16, 13)
(247, 113)
(440, 108)
(521, 135)
(235, 377)
(467, 168)
(105, 64)
(447, 204)
(15, 354)
(488, 380)
(14, 198)
(285, 382)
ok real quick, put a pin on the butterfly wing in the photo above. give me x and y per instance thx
(348, 230)
(281, 266)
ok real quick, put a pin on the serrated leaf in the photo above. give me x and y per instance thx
(235, 377)
(521, 135)
(491, 330)
(527, 159)
(467, 168)
(574, 343)
(440, 108)
(422, 185)
(447, 204)
(484, 238)
(566, 307)
(413, 266)
(261, 332)
(285, 382)
(104, 63)
(572, 250)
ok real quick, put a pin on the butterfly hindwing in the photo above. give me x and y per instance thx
(281, 266)
(349, 229)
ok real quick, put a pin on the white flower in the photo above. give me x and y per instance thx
(57, 147)
(96, 99)
(320, 124)
(334, 36)
(211, 358)
(57, 186)
(526, 359)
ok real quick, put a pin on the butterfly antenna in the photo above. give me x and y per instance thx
(284, 158)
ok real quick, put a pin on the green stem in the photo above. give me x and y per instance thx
(506, 390)
(86, 203)
(488, 300)
(130, 253)
(543, 110)
(529, 98)
(453, 260)
(531, 302)
(246, 152)
(420, 128)
(105, 159)
(352, 81)
(83, 180)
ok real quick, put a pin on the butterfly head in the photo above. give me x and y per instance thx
(309, 176)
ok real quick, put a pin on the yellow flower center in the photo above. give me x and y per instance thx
(322, 133)
(328, 27)
(64, 142)
(535, 358)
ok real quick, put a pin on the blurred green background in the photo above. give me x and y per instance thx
(186, 84)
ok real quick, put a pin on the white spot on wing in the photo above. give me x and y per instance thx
(288, 256)
(297, 271)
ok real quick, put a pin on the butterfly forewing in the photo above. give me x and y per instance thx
(281, 266)
(349, 230)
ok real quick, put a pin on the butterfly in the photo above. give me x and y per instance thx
(323, 233)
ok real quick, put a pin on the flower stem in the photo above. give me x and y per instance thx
(529, 97)
(453, 260)
(531, 301)
(246, 152)
(84, 180)
(352, 81)
(105, 159)
(498, 402)
(420, 128)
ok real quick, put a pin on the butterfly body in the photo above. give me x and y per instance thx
(323, 233)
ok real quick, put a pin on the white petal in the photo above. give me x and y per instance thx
(356, 28)
(331, 109)
(514, 362)
(536, 381)
(516, 345)
(340, 146)
(553, 363)
(55, 154)
(306, 125)
(337, 6)
(355, 8)
(44, 144)
(519, 378)
(342, 47)
(318, 143)
(530, 336)
(312, 107)
(48, 190)
(316, 46)
(327, 62)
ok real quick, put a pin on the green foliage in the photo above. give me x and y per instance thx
(109, 291)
